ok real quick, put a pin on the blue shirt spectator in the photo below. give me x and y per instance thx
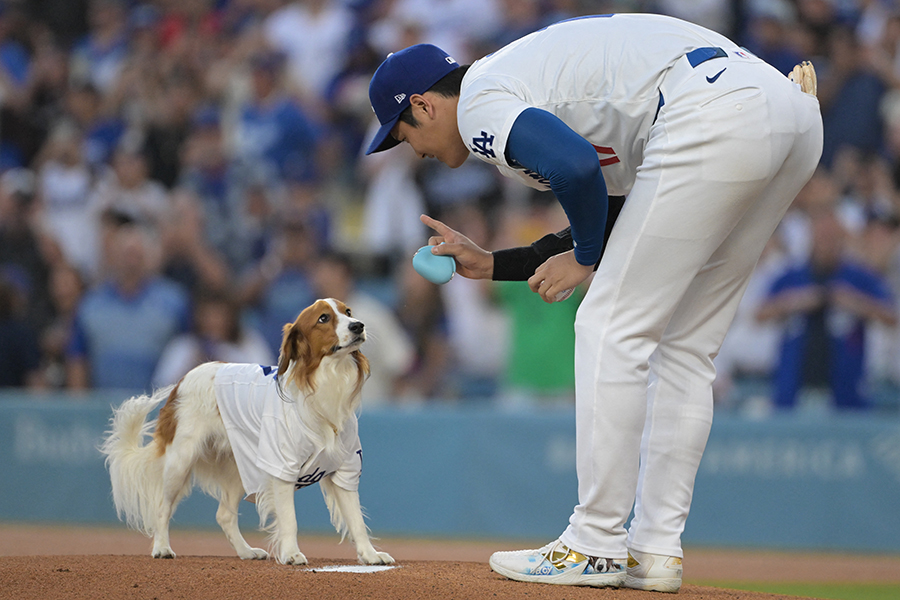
(123, 336)
(842, 345)
(122, 325)
(273, 129)
(824, 306)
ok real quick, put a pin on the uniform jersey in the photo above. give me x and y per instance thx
(269, 438)
(600, 75)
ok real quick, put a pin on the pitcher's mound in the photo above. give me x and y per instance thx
(100, 577)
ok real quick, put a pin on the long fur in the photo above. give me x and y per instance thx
(154, 463)
(135, 468)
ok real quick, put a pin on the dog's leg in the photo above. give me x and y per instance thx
(285, 533)
(179, 461)
(346, 515)
(227, 515)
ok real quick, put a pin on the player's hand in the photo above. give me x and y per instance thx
(558, 274)
(471, 261)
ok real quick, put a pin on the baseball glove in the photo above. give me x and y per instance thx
(805, 75)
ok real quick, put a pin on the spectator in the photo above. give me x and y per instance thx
(68, 211)
(66, 289)
(850, 94)
(43, 101)
(122, 324)
(126, 187)
(825, 306)
(23, 257)
(188, 257)
(101, 130)
(205, 171)
(770, 34)
(540, 367)
(423, 316)
(520, 17)
(305, 200)
(19, 351)
(168, 128)
(879, 249)
(259, 203)
(273, 130)
(280, 286)
(314, 35)
(98, 58)
(217, 334)
(454, 25)
(478, 330)
(15, 72)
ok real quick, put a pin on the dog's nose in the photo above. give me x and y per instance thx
(356, 327)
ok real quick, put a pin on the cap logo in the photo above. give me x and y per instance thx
(400, 98)
(450, 60)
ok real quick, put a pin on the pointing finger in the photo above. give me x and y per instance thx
(436, 225)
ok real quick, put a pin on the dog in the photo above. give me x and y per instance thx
(243, 430)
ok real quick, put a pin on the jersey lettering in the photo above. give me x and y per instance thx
(483, 145)
(309, 479)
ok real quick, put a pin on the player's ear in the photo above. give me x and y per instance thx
(420, 104)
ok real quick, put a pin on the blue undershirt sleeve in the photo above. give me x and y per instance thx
(541, 142)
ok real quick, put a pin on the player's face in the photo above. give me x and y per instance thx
(437, 135)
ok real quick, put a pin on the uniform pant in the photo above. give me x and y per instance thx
(725, 158)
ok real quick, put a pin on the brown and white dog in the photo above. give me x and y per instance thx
(305, 412)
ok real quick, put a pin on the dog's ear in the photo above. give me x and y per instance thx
(296, 347)
(292, 343)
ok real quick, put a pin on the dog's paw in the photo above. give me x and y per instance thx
(377, 558)
(293, 559)
(163, 553)
(254, 554)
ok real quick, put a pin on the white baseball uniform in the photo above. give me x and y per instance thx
(269, 438)
(710, 145)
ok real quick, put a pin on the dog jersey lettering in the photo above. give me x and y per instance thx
(269, 437)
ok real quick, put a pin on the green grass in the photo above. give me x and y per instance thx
(825, 591)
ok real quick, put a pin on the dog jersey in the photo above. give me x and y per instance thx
(600, 75)
(269, 438)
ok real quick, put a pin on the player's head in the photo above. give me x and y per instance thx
(403, 78)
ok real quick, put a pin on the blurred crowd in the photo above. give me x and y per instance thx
(178, 179)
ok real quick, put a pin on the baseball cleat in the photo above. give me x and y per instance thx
(556, 563)
(653, 572)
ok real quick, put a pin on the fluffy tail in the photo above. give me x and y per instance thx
(135, 465)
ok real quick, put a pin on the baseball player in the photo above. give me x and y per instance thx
(709, 145)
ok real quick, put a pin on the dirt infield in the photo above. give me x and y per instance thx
(220, 578)
(73, 563)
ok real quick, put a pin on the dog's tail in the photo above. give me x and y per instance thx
(135, 465)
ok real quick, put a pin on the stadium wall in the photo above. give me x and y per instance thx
(825, 482)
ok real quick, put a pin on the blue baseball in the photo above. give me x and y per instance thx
(434, 268)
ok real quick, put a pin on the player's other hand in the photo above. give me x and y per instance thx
(472, 261)
(558, 274)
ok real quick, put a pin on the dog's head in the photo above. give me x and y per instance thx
(324, 330)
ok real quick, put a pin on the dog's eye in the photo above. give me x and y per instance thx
(348, 313)
(324, 318)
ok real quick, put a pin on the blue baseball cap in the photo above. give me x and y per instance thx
(410, 71)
